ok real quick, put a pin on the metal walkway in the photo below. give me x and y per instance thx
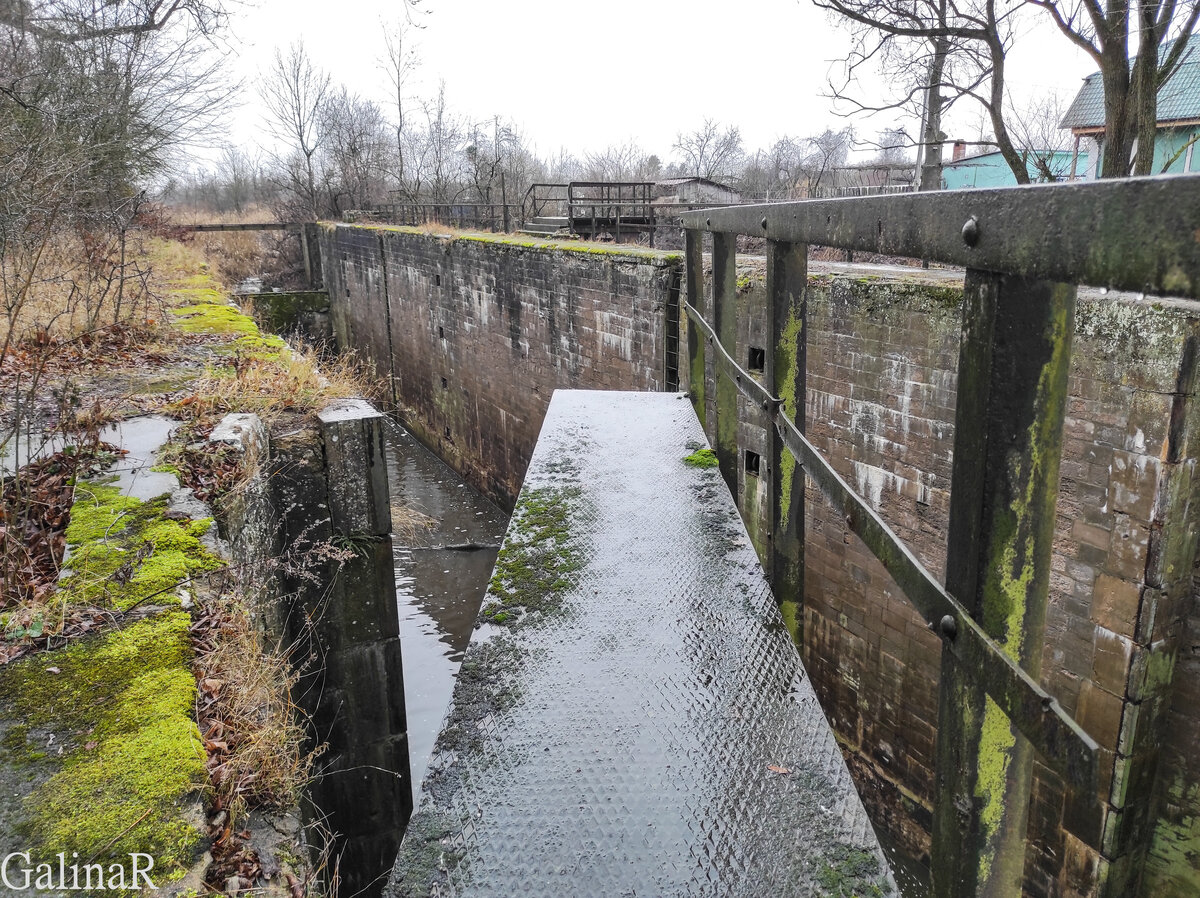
(632, 718)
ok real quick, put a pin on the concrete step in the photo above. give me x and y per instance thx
(631, 716)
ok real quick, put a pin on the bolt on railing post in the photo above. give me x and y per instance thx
(1014, 358)
(693, 256)
(787, 296)
(725, 321)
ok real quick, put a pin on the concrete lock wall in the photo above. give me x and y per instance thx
(472, 334)
(505, 323)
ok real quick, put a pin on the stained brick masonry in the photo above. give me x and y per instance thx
(474, 333)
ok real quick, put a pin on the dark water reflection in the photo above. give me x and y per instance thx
(444, 556)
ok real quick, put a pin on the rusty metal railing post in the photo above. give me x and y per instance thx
(1014, 358)
(693, 256)
(725, 319)
(786, 363)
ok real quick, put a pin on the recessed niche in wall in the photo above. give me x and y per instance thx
(758, 358)
(752, 463)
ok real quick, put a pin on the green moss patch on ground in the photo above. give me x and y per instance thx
(206, 309)
(701, 458)
(119, 708)
(539, 556)
(125, 551)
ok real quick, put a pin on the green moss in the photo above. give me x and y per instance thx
(215, 318)
(120, 707)
(539, 557)
(125, 551)
(852, 873)
(523, 242)
(786, 376)
(260, 346)
(701, 458)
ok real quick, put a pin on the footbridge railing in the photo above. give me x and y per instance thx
(1025, 250)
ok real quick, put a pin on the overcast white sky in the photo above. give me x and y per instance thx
(584, 75)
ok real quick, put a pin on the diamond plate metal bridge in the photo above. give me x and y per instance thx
(633, 719)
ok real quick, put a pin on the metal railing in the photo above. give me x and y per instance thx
(1024, 249)
(476, 216)
(544, 200)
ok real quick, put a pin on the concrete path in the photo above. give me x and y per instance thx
(632, 718)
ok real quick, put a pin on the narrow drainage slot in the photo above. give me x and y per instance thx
(437, 280)
(752, 462)
(441, 333)
(447, 433)
(445, 384)
(758, 359)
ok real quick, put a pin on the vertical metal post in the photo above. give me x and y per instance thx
(694, 272)
(724, 281)
(1012, 387)
(787, 294)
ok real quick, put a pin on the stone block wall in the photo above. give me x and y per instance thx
(473, 333)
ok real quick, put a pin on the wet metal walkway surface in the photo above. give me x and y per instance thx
(631, 718)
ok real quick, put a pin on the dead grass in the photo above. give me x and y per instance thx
(237, 255)
(76, 289)
(408, 524)
(250, 726)
(295, 380)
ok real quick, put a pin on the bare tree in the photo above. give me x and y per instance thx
(957, 48)
(295, 91)
(710, 151)
(1040, 140)
(618, 162)
(71, 22)
(438, 159)
(353, 158)
(1102, 30)
(400, 63)
(825, 153)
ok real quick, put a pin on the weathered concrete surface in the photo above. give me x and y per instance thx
(631, 716)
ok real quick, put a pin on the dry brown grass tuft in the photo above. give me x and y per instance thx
(251, 729)
(294, 380)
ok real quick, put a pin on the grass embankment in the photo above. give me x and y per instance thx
(144, 689)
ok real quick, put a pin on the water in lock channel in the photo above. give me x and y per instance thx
(446, 535)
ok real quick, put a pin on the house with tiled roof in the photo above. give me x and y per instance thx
(1175, 147)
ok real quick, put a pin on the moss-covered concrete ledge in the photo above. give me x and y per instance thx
(104, 732)
(523, 241)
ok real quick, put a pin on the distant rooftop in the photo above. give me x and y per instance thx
(675, 182)
(1178, 99)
